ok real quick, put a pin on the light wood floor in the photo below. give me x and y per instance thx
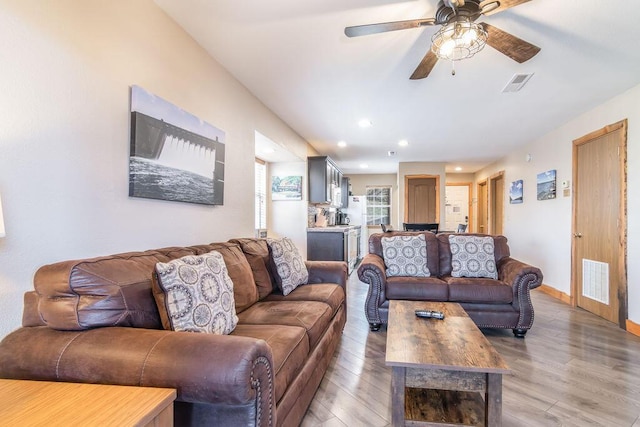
(572, 369)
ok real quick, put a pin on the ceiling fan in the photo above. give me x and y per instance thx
(459, 36)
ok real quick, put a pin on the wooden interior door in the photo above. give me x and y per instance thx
(496, 203)
(483, 207)
(422, 199)
(599, 223)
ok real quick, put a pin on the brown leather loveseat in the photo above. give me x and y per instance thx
(96, 321)
(501, 303)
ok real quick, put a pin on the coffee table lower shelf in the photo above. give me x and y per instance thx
(428, 407)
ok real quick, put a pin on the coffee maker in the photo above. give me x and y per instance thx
(342, 218)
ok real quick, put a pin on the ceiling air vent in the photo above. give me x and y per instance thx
(517, 82)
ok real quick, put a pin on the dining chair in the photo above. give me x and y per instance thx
(421, 226)
(462, 228)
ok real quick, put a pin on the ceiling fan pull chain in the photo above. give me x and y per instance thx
(453, 68)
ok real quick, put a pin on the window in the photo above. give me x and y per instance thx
(261, 194)
(379, 205)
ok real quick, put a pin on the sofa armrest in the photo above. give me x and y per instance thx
(328, 272)
(522, 278)
(205, 368)
(372, 271)
(518, 274)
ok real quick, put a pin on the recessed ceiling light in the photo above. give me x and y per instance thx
(458, 168)
(363, 166)
(365, 123)
(342, 144)
(403, 143)
(268, 150)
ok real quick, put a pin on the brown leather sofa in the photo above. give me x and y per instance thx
(502, 303)
(96, 321)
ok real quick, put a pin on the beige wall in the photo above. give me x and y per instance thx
(460, 177)
(64, 135)
(539, 232)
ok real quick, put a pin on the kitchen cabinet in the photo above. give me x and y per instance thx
(344, 188)
(328, 244)
(333, 244)
(325, 181)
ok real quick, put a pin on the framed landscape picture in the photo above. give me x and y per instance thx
(174, 155)
(515, 192)
(546, 182)
(286, 188)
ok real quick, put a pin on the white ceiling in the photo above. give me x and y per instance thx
(293, 55)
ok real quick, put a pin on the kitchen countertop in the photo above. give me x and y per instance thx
(333, 228)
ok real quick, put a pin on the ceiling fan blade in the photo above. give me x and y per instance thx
(365, 30)
(504, 4)
(425, 66)
(510, 45)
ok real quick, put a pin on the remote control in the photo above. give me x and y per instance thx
(429, 314)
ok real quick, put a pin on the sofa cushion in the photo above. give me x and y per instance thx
(113, 290)
(479, 290)
(257, 253)
(501, 250)
(375, 247)
(288, 265)
(195, 293)
(472, 256)
(245, 291)
(328, 293)
(417, 288)
(405, 255)
(313, 316)
(289, 346)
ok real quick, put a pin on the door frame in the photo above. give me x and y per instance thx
(469, 201)
(483, 203)
(408, 178)
(490, 201)
(623, 290)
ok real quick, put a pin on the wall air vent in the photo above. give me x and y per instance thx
(517, 82)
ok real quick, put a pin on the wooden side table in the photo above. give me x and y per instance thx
(41, 403)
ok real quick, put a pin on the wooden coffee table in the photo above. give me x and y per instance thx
(445, 372)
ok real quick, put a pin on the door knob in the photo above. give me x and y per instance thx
(578, 235)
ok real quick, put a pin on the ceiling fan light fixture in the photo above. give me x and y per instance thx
(458, 40)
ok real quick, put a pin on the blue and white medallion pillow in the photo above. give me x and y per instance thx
(289, 265)
(405, 255)
(473, 256)
(198, 294)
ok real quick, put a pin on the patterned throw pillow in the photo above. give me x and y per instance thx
(198, 294)
(289, 266)
(473, 256)
(405, 255)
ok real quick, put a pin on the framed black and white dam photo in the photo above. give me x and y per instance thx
(174, 155)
